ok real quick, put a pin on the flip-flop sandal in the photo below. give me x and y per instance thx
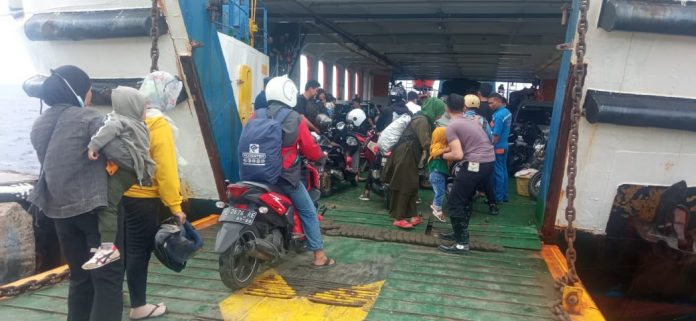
(329, 263)
(153, 313)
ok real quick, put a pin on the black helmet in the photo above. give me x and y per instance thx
(175, 243)
(397, 94)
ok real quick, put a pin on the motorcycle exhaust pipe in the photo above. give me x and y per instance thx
(262, 250)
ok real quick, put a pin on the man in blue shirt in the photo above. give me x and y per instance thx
(500, 124)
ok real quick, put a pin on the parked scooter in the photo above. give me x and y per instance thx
(259, 225)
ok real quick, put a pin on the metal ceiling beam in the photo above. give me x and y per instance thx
(347, 36)
(422, 16)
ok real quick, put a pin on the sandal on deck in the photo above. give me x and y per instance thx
(157, 310)
(403, 224)
(327, 264)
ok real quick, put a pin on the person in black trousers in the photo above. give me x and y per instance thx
(470, 147)
(71, 189)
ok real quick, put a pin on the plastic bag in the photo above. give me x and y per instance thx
(391, 135)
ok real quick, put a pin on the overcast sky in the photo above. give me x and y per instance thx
(15, 65)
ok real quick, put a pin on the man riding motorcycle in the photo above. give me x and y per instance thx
(281, 93)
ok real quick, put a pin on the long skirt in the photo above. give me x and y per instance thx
(402, 204)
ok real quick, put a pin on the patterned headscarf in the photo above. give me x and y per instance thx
(161, 89)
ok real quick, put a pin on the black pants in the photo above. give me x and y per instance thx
(459, 199)
(142, 216)
(486, 186)
(95, 295)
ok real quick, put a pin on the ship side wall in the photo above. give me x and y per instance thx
(610, 155)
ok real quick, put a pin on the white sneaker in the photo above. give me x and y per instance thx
(105, 254)
(437, 212)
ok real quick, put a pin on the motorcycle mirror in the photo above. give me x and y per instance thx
(220, 204)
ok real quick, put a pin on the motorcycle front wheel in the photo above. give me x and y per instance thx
(237, 268)
(535, 186)
(325, 184)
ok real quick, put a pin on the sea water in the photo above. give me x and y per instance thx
(17, 114)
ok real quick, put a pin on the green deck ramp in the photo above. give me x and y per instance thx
(514, 228)
(420, 282)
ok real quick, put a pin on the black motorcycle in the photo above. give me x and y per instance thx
(339, 146)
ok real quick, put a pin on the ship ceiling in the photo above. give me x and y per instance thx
(480, 39)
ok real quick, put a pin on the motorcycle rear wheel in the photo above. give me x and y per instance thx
(237, 269)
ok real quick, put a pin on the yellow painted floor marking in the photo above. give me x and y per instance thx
(268, 298)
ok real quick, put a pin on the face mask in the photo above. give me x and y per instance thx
(79, 99)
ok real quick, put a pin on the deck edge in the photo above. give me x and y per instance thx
(556, 263)
(200, 224)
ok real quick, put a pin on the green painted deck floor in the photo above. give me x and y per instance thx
(513, 228)
(420, 282)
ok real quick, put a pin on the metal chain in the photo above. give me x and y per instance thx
(571, 193)
(154, 35)
(33, 285)
(571, 277)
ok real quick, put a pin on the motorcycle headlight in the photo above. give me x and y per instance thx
(351, 141)
(340, 126)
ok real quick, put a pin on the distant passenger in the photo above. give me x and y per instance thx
(260, 101)
(471, 110)
(500, 124)
(308, 96)
(483, 92)
(397, 102)
(401, 170)
(412, 103)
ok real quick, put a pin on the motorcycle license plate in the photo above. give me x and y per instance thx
(237, 215)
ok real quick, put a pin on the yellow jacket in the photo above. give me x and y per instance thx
(438, 143)
(166, 184)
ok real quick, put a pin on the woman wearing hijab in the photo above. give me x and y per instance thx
(71, 188)
(401, 171)
(144, 206)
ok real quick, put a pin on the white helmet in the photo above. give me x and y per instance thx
(357, 116)
(282, 90)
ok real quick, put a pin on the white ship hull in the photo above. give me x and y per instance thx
(129, 58)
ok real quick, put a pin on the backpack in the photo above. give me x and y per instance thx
(391, 135)
(260, 145)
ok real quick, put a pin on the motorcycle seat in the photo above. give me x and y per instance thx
(266, 187)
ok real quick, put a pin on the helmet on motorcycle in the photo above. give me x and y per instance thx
(472, 101)
(357, 116)
(397, 94)
(282, 90)
(175, 244)
(324, 121)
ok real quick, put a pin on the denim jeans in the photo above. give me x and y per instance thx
(439, 182)
(308, 214)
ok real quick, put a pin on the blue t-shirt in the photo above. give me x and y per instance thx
(502, 120)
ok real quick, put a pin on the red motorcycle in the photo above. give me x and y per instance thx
(259, 225)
